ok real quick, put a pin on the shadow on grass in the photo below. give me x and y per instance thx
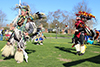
(34, 43)
(28, 51)
(66, 49)
(7, 58)
(97, 44)
(95, 59)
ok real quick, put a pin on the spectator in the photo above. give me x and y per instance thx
(1, 35)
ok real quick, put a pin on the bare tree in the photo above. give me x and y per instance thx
(83, 6)
(49, 19)
(58, 17)
(32, 8)
(62, 18)
(2, 18)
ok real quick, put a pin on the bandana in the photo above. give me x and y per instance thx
(23, 10)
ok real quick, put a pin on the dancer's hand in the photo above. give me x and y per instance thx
(12, 28)
(76, 30)
(8, 43)
(26, 33)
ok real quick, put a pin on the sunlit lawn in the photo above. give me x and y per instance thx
(58, 35)
(55, 53)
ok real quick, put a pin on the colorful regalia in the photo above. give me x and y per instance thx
(82, 30)
(19, 36)
(21, 25)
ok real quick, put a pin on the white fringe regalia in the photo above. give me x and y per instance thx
(77, 46)
(80, 48)
(20, 53)
(8, 51)
(19, 56)
(83, 48)
(20, 47)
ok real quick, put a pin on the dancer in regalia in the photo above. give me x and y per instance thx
(23, 25)
(19, 36)
(81, 30)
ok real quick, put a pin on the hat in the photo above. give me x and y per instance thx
(84, 14)
(25, 8)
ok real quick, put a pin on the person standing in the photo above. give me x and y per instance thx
(81, 31)
(1, 34)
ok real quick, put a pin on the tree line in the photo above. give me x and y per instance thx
(60, 18)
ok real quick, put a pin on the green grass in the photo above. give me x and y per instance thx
(58, 35)
(55, 53)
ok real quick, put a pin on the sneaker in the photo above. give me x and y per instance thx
(41, 43)
(81, 54)
(37, 44)
(3, 56)
(18, 62)
(77, 53)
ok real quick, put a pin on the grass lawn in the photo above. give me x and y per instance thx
(55, 53)
(58, 35)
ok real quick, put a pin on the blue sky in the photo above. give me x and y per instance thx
(49, 5)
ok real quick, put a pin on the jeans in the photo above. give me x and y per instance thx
(1, 37)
